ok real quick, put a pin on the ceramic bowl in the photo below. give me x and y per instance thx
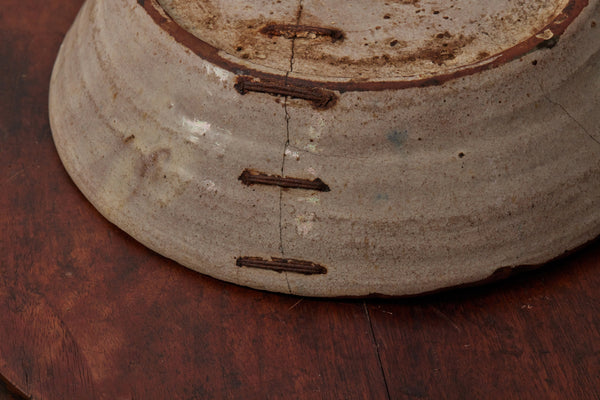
(308, 147)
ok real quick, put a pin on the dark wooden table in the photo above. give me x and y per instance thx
(88, 313)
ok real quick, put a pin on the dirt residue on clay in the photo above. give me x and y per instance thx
(413, 2)
(442, 47)
(249, 44)
(151, 161)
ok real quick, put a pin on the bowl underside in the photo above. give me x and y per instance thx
(307, 179)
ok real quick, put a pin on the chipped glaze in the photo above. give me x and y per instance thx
(219, 159)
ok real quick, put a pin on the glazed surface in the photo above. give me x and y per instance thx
(428, 187)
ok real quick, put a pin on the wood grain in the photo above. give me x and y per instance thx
(534, 336)
(88, 313)
(8, 392)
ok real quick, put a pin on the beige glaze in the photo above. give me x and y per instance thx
(429, 187)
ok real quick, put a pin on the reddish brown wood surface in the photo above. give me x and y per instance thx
(6, 394)
(87, 313)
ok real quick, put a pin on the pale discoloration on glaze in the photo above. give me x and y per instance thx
(429, 187)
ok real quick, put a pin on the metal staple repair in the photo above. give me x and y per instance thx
(321, 99)
(292, 31)
(282, 265)
(251, 177)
